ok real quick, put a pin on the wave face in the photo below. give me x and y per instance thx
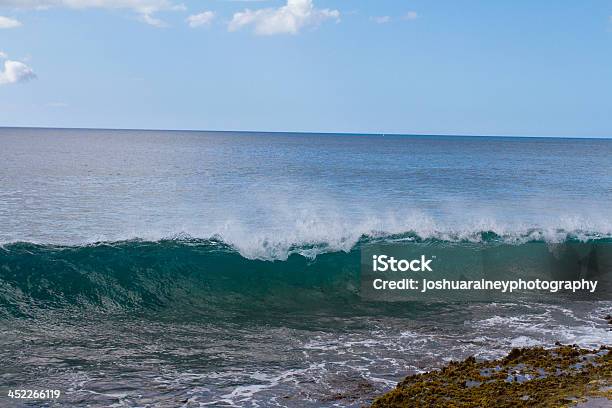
(199, 277)
(188, 275)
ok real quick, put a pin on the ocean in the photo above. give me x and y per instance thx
(182, 268)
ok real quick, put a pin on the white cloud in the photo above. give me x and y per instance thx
(152, 21)
(197, 20)
(411, 15)
(6, 22)
(288, 19)
(14, 71)
(145, 8)
(381, 19)
(141, 6)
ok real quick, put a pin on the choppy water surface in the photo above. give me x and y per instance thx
(298, 360)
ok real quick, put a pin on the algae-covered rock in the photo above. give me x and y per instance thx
(526, 377)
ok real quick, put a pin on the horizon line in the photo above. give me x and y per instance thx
(297, 132)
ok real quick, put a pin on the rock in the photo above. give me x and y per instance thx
(526, 377)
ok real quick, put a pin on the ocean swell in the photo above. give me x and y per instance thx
(203, 276)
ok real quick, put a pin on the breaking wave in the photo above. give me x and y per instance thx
(207, 276)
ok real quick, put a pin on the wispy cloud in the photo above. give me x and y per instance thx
(14, 71)
(152, 21)
(411, 15)
(381, 19)
(200, 19)
(7, 22)
(287, 19)
(144, 8)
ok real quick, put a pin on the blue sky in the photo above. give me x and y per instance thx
(424, 67)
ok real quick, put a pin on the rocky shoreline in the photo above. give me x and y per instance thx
(564, 376)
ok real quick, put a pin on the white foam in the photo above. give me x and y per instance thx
(524, 341)
(316, 227)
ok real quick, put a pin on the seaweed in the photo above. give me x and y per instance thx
(526, 377)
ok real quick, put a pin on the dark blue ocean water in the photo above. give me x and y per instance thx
(222, 269)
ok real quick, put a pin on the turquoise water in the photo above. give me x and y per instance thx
(222, 269)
